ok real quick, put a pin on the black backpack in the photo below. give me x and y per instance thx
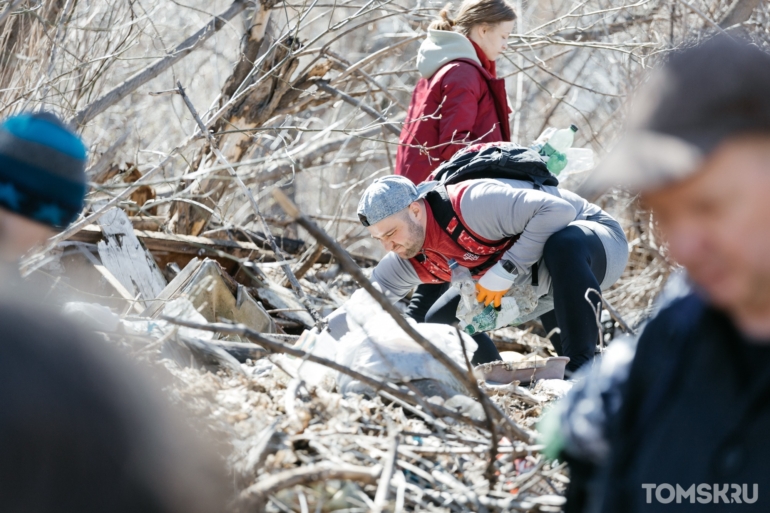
(496, 160)
(492, 160)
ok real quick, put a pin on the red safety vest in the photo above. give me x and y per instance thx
(448, 237)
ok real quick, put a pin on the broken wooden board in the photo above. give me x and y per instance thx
(282, 298)
(172, 289)
(216, 296)
(164, 245)
(183, 248)
(125, 257)
(111, 279)
(213, 295)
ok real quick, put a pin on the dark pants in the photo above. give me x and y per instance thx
(428, 305)
(423, 298)
(576, 261)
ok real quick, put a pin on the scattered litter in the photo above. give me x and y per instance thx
(91, 315)
(526, 370)
(553, 388)
(283, 414)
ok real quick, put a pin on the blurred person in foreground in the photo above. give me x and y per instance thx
(42, 181)
(688, 431)
(82, 430)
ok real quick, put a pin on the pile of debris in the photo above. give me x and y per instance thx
(369, 422)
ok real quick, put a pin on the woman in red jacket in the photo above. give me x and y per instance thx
(458, 101)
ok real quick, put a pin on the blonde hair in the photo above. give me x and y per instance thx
(472, 13)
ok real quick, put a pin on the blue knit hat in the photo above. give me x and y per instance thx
(42, 169)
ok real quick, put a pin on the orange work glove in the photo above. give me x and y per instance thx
(493, 285)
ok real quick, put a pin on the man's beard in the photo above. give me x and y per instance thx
(416, 239)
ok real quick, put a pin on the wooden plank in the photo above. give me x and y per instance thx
(119, 288)
(171, 290)
(217, 249)
(186, 244)
(125, 257)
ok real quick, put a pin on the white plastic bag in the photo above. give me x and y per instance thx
(92, 315)
(382, 350)
(376, 346)
(319, 344)
(579, 160)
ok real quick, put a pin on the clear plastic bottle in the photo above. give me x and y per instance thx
(559, 141)
(463, 281)
(555, 148)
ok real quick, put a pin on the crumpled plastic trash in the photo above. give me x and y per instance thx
(92, 315)
(381, 349)
(373, 344)
(579, 160)
(518, 302)
(487, 318)
(317, 343)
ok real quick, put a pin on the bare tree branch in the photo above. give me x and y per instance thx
(324, 86)
(739, 11)
(183, 49)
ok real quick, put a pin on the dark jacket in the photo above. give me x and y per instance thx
(695, 411)
(457, 102)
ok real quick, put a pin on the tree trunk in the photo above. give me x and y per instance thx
(186, 218)
(738, 12)
(21, 33)
(275, 94)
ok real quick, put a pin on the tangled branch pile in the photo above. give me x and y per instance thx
(334, 452)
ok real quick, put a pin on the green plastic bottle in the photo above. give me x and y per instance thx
(554, 149)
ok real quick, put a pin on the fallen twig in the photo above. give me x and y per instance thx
(614, 313)
(324, 86)
(387, 473)
(487, 405)
(259, 492)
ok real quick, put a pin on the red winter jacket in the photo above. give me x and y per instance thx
(459, 104)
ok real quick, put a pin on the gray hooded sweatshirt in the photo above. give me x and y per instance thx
(499, 209)
(440, 47)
